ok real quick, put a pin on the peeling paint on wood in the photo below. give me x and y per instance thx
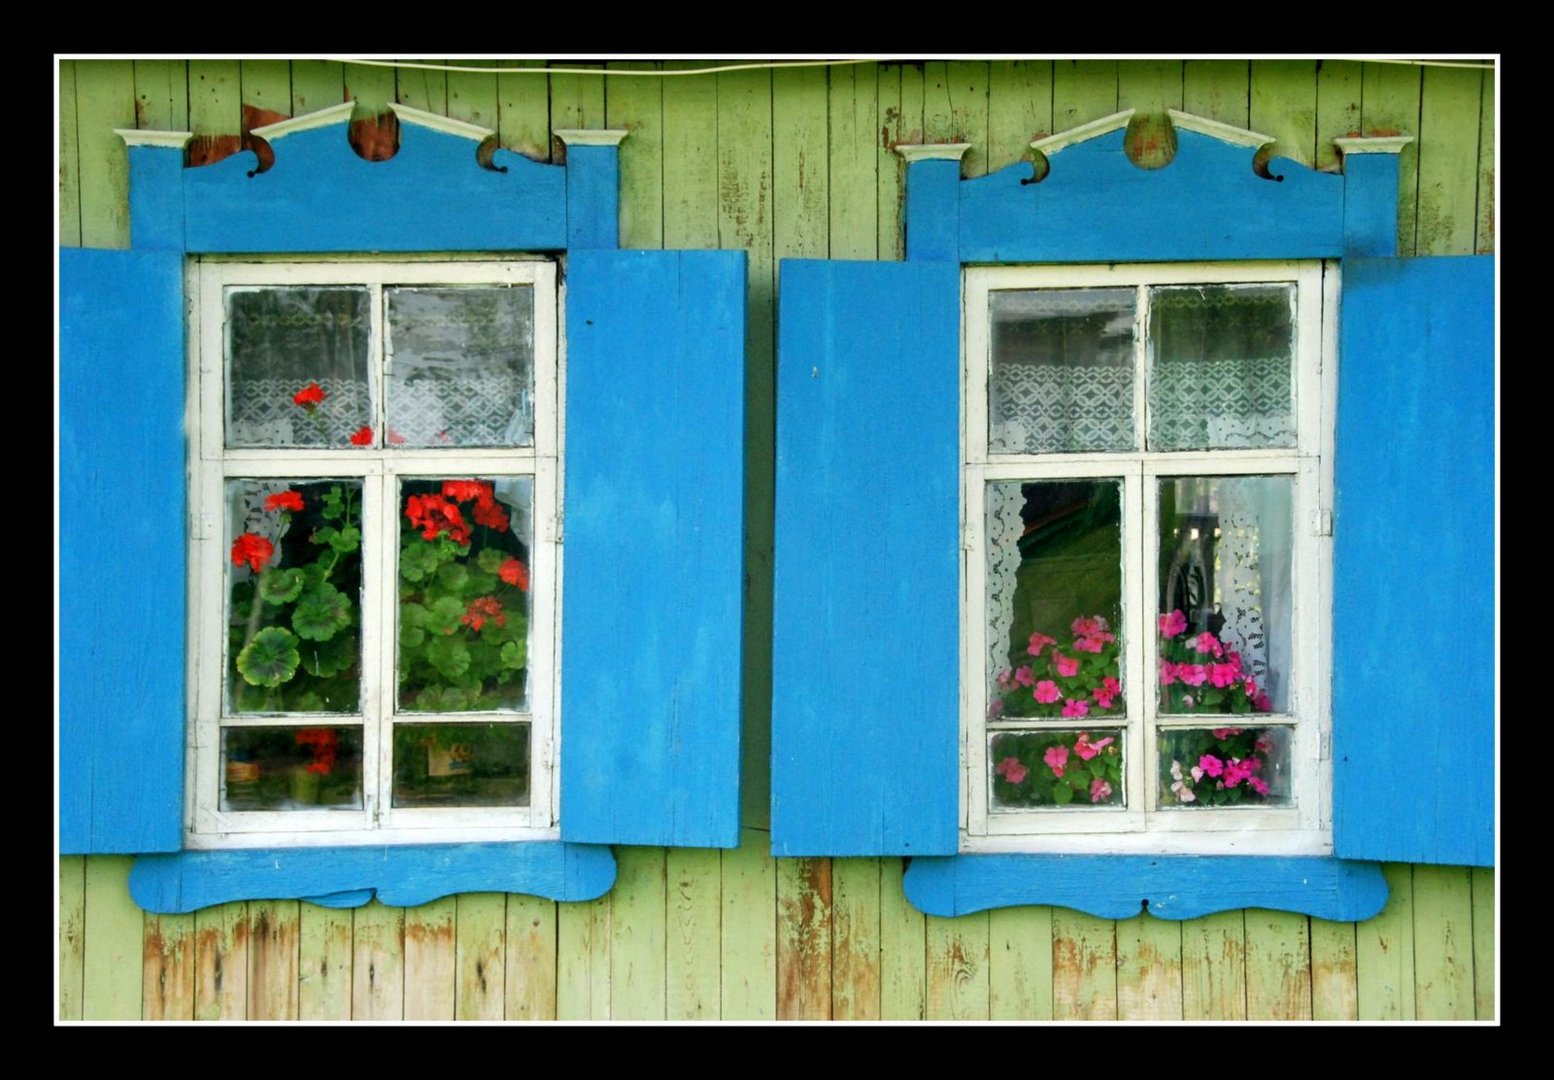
(1084, 966)
(1447, 142)
(1483, 885)
(1384, 952)
(804, 939)
(479, 956)
(637, 957)
(1278, 966)
(1284, 104)
(378, 963)
(1149, 969)
(429, 960)
(1082, 91)
(957, 975)
(371, 87)
(1335, 992)
(422, 89)
(636, 105)
(72, 934)
(318, 84)
(1150, 87)
(1338, 107)
(583, 958)
(1443, 943)
(1019, 968)
(855, 939)
(1217, 89)
(693, 929)
(375, 137)
(324, 963)
(1214, 967)
(890, 169)
(273, 941)
(105, 100)
(167, 968)
(472, 95)
(221, 962)
(532, 958)
(852, 162)
(1390, 102)
(903, 948)
(1484, 228)
(749, 930)
(1019, 107)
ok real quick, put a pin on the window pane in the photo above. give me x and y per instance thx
(464, 594)
(297, 367)
(1062, 371)
(460, 366)
(291, 768)
(461, 765)
(294, 596)
(1054, 598)
(1225, 766)
(1221, 358)
(1056, 768)
(1225, 599)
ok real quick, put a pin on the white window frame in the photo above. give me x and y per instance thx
(1141, 827)
(379, 469)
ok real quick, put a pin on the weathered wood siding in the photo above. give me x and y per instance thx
(792, 163)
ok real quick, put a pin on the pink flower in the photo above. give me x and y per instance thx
(1023, 676)
(1005, 679)
(1208, 643)
(1263, 743)
(1233, 658)
(1067, 665)
(1262, 704)
(1038, 642)
(1011, 770)
(1226, 732)
(1089, 644)
(1183, 792)
(1192, 674)
(1211, 765)
(1235, 772)
(1076, 707)
(1106, 692)
(995, 710)
(1099, 789)
(1089, 625)
(1167, 672)
(1056, 758)
(1223, 675)
(1047, 692)
(1257, 785)
(1087, 749)
(1173, 624)
(1197, 773)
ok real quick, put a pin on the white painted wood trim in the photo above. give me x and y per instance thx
(1381, 144)
(911, 152)
(1083, 133)
(445, 124)
(585, 137)
(335, 114)
(1215, 129)
(170, 140)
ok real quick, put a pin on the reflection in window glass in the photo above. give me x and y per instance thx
(1056, 768)
(1228, 766)
(291, 768)
(461, 765)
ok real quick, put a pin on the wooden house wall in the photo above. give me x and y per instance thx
(784, 163)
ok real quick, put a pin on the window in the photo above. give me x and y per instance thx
(374, 574)
(1145, 576)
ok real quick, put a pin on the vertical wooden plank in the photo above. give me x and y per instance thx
(531, 958)
(69, 159)
(1384, 952)
(1483, 883)
(105, 100)
(266, 84)
(1448, 167)
(637, 915)
(1150, 87)
(1084, 966)
(215, 97)
(749, 930)
(1284, 105)
(1149, 969)
(636, 104)
(1217, 89)
(690, 159)
(324, 963)
(804, 939)
(167, 968)
(1443, 943)
(692, 933)
(161, 95)
(957, 968)
(112, 930)
(903, 949)
(72, 934)
(472, 95)
(1214, 967)
(371, 86)
(1338, 107)
(1390, 104)
(800, 174)
(1484, 232)
(896, 126)
(852, 106)
(583, 960)
(1335, 991)
(318, 84)
(1278, 966)
(378, 963)
(955, 97)
(1019, 969)
(430, 967)
(1082, 91)
(576, 101)
(221, 962)
(1019, 108)
(523, 110)
(855, 936)
(479, 989)
(273, 959)
(423, 89)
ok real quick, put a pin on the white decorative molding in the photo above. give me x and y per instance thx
(583, 137)
(1084, 132)
(446, 125)
(335, 114)
(174, 140)
(932, 151)
(1380, 144)
(1217, 130)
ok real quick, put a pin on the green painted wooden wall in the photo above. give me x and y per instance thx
(784, 163)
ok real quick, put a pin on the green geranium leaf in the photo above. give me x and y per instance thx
(346, 540)
(270, 659)
(321, 613)
(1062, 794)
(412, 615)
(515, 654)
(328, 659)
(417, 559)
(411, 637)
(448, 655)
(445, 616)
(324, 534)
(453, 577)
(332, 505)
(281, 586)
(489, 560)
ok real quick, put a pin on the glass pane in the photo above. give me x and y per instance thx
(291, 768)
(1056, 768)
(464, 594)
(460, 366)
(1225, 598)
(297, 367)
(294, 581)
(1221, 358)
(1054, 599)
(461, 765)
(1062, 371)
(1225, 766)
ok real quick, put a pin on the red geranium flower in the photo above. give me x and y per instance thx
(310, 396)
(363, 437)
(465, 490)
(252, 549)
(483, 608)
(491, 515)
(514, 572)
(284, 500)
(326, 746)
(433, 514)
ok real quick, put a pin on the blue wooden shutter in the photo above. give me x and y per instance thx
(865, 666)
(651, 603)
(1414, 558)
(122, 555)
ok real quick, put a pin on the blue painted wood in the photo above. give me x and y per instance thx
(652, 601)
(121, 550)
(1096, 206)
(932, 211)
(430, 196)
(156, 198)
(593, 196)
(1413, 563)
(1371, 205)
(866, 607)
(1174, 887)
(400, 876)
